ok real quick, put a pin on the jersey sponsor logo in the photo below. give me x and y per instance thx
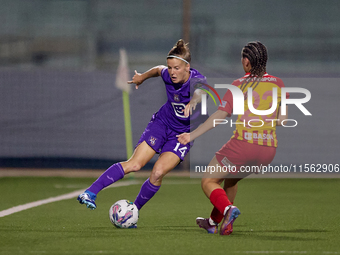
(264, 79)
(268, 79)
(249, 136)
(179, 109)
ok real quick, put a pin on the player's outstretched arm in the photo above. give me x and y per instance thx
(281, 117)
(139, 78)
(196, 98)
(206, 126)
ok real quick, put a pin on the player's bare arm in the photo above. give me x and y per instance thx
(139, 78)
(206, 126)
(281, 117)
(196, 98)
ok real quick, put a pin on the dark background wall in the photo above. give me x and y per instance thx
(58, 62)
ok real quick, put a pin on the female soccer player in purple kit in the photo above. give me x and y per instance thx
(172, 119)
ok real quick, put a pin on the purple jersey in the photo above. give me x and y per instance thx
(179, 95)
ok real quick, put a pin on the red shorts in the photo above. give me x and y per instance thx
(241, 153)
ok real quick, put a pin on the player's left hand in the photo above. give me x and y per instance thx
(184, 138)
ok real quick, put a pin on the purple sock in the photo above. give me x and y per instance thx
(111, 175)
(147, 191)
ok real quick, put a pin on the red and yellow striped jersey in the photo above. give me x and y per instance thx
(255, 129)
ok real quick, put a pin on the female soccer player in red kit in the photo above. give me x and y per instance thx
(253, 143)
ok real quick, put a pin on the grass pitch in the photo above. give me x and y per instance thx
(278, 216)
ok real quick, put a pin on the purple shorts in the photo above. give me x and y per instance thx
(162, 139)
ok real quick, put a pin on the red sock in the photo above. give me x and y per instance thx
(220, 200)
(216, 216)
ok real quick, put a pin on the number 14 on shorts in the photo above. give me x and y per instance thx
(181, 150)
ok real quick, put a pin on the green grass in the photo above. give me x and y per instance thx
(278, 216)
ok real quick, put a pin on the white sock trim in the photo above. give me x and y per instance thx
(226, 209)
(211, 222)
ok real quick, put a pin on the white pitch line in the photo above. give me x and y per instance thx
(287, 252)
(239, 252)
(73, 194)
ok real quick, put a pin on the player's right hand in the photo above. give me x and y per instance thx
(191, 106)
(183, 138)
(136, 79)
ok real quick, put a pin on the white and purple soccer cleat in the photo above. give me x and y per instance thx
(204, 223)
(229, 218)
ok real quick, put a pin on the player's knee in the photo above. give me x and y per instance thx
(136, 167)
(157, 175)
(132, 166)
(207, 182)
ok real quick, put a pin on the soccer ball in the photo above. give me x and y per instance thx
(124, 214)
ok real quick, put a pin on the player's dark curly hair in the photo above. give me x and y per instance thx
(181, 49)
(256, 52)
